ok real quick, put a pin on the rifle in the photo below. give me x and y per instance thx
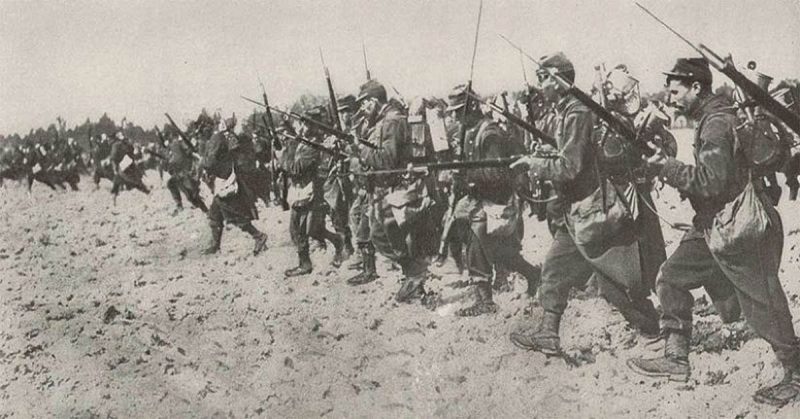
(334, 107)
(463, 129)
(462, 138)
(267, 117)
(613, 122)
(327, 129)
(181, 134)
(364, 53)
(726, 67)
(319, 147)
(453, 165)
(160, 136)
(519, 121)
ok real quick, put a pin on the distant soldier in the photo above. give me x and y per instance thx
(231, 159)
(727, 262)
(182, 169)
(263, 150)
(127, 173)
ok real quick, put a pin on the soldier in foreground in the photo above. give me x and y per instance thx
(724, 262)
(231, 159)
(584, 242)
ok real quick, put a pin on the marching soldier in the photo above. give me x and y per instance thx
(396, 203)
(307, 201)
(231, 159)
(490, 208)
(591, 233)
(726, 264)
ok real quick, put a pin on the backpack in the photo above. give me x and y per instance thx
(765, 144)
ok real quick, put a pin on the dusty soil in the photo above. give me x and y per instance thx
(112, 312)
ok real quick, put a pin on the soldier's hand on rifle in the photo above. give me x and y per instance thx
(523, 162)
(656, 162)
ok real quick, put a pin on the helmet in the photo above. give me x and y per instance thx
(622, 90)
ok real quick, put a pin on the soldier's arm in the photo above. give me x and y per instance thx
(573, 153)
(715, 163)
(394, 132)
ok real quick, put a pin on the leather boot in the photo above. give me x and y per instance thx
(483, 303)
(338, 256)
(787, 390)
(413, 287)
(303, 268)
(545, 339)
(260, 238)
(216, 238)
(260, 244)
(673, 365)
(368, 273)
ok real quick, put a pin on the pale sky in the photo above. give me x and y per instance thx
(140, 59)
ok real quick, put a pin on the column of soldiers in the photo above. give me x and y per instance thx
(604, 223)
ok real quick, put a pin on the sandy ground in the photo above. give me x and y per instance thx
(112, 312)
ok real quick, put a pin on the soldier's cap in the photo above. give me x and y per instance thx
(316, 113)
(560, 63)
(346, 103)
(692, 69)
(371, 89)
(457, 97)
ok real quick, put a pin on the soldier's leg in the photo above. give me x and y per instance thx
(564, 268)
(480, 267)
(215, 223)
(634, 305)
(175, 191)
(298, 228)
(192, 191)
(764, 306)
(318, 231)
(689, 267)
(366, 249)
(387, 237)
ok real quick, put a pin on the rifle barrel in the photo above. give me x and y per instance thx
(327, 129)
(547, 139)
(454, 165)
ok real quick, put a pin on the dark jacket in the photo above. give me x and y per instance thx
(719, 173)
(574, 172)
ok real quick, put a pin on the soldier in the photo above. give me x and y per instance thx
(102, 165)
(127, 172)
(338, 187)
(749, 270)
(492, 240)
(231, 158)
(397, 204)
(263, 150)
(592, 233)
(359, 214)
(182, 169)
(306, 198)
